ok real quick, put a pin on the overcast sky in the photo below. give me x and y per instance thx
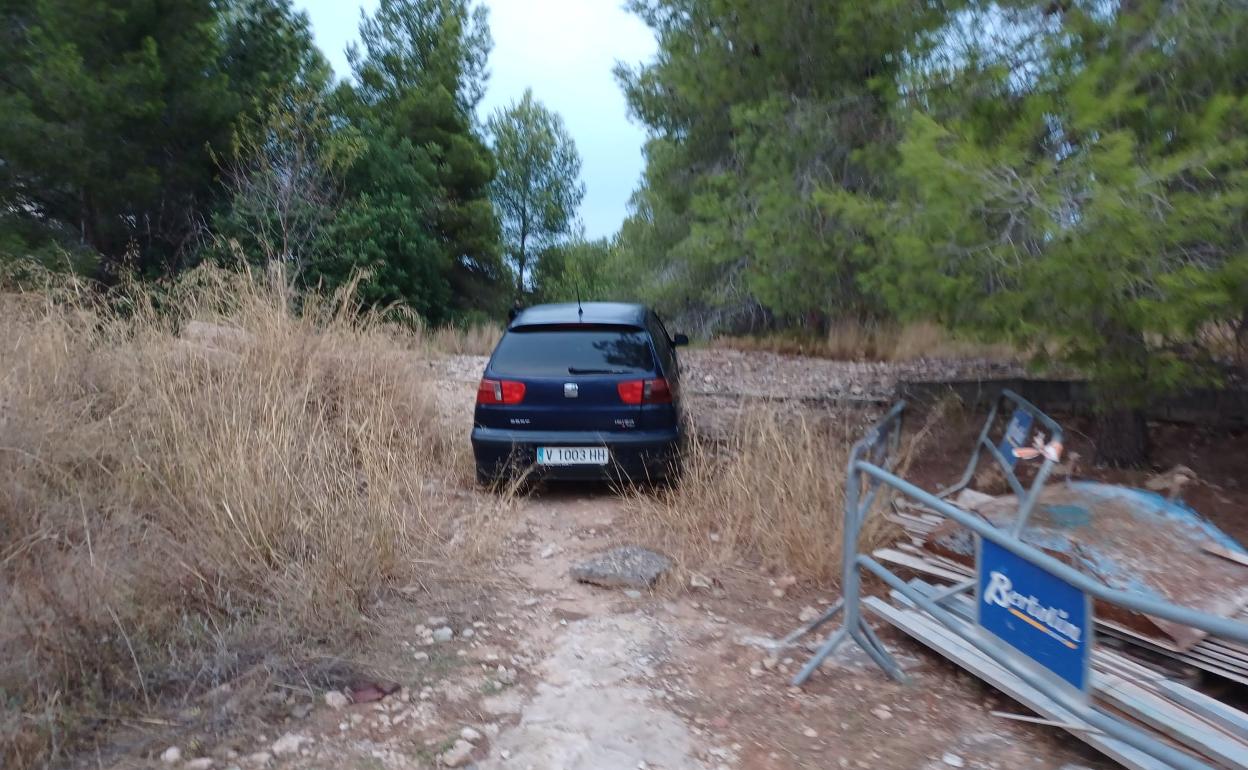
(564, 50)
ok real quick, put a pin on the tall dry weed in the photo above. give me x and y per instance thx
(184, 489)
(773, 492)
(472, 340)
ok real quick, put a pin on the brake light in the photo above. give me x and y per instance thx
(645, 391)
(631, 391)
(500, 392)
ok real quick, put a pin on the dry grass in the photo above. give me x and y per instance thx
(773, 493)
(181, 491)
(858, 341)
(472, 340)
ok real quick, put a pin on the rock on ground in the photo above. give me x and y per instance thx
(336, 700)
(457, 755)
(288, 743)
(627, 567)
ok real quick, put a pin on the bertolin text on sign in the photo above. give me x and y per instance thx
(1052, 620)
(1041, 616)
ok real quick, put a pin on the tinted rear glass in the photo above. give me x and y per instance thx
(560, 353)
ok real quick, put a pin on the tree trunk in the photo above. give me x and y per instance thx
(1122, 438)
(520, 260)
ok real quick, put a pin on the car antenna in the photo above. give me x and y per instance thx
(580, 311)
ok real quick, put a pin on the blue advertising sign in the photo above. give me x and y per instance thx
(1016, 434)
(1040, 615)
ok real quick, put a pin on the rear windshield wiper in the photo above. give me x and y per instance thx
(578, 370)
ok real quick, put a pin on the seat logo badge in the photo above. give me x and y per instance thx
(570, 390)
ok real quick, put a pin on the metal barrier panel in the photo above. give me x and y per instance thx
(870, 469)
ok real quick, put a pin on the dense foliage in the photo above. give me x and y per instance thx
(146, 137)
(1070, 176)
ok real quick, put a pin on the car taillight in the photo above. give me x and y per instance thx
(657, 392)
(500, 392)
(645, 391)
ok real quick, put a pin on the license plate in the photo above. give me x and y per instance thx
(572, 455)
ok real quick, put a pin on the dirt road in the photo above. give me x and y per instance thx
(536, 671)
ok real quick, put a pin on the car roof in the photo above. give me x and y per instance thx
(622, 313)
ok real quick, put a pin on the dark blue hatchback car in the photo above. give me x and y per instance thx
(581, 391)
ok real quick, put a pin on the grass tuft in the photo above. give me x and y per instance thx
(772, 493)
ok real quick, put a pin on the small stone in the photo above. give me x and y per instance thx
(260, 758)
(810, 732)
(336, 700)
(506, 675)
(420, 657)
(458, 754)
(769, 663)
(633, 593)
(548, 551)
(699, 581)
(755, 672)
(807, 614)
(470, 734)
(443, 634)
(201, 763)
(505, 753)
(171, 755)
(435, 621)
(778, 593)
(627, 567)
(882, 712)
(953, 760)
(467, 633)
(288, 744)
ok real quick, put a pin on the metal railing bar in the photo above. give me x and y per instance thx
(973, 463)
(1112, 727)
(1223, 627)
(1010, 478)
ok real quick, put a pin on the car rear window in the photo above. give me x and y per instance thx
(564, 352)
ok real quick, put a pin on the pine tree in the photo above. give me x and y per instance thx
(1095, 210)
(420, 72)
(538, 188)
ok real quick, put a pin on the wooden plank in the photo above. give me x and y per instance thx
(1211, 709)
(965, 655)
(1106, 660)
(893, 556)
(1226, 553)
(1197, 659)
(1172, 720)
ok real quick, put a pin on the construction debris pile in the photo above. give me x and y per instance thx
(1141, 666)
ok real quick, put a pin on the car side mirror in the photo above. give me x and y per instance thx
(680, 340)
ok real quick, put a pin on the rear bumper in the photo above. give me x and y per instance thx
(639, 456)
